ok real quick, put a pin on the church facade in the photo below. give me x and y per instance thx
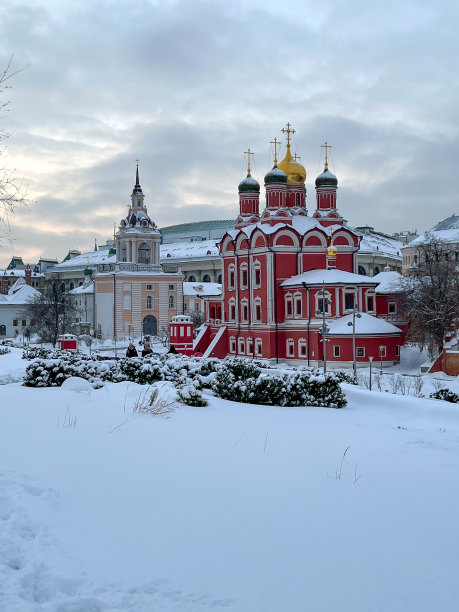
(291, 287)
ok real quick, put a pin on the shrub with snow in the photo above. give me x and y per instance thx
(192, 396)
(4, 350)
(445, 395)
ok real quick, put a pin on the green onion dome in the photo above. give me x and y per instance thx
(249, 184)
(326, 179)
(275, 176)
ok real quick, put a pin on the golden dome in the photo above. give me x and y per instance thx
(295, 172)
(332, 251)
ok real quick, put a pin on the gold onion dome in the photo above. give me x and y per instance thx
(249, 184)
(295, 172)
(332, 251)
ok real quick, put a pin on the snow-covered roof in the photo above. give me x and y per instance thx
(89, 288)
(365, 325)
(16, 272)
(21, 295)
(89, 258)
(329, 277)
(204, 289)
(380, 244)
(185, 250)
(447, 230)
(389, 282)
(301, 223)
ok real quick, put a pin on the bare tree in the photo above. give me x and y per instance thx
(54, 312)
(12, 190)
(431, 293)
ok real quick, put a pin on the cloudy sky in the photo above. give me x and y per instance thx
(188, 85)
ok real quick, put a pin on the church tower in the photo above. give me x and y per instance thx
(326, 187)
(249, 198)
(138, 239)
(295, 196)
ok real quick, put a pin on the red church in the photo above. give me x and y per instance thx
(291, 291)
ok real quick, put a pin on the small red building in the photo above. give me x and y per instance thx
(67, 342)
(285, 274)
(181, 334)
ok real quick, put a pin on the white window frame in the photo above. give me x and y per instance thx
(258, 347)
(150, 302)
(302, 348)
(231, 305)
(231, 273)
(232, 344)
(241, 347)
(244, 268)
(336, 353)
(244, 311)
(288, 300)
(297, 299)
(290, 347)
(373, 296)
(318, 296)
(360, 349)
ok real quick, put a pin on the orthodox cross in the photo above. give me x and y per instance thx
(326, 147)
(276, 144)
(248, 153)
(297, 157)
(288, 131)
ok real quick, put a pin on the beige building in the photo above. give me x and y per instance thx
(133, 295)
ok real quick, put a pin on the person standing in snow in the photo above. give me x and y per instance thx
(146, 350)
(131, 351)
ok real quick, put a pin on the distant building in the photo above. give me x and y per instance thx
(196, 231)
(446, 230)
(13, 321)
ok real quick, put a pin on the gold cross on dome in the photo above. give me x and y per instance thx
(288, 130)
(326, 147)
(248, 153)
(276, 144)
(297, 157)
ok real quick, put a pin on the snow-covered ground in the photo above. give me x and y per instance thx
(230, 507)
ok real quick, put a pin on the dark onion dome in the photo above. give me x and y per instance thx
(87, 271)
(275, 176)
(326, 179)
(249, 184)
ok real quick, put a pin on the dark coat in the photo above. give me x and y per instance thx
(132, 352)
(147, 351)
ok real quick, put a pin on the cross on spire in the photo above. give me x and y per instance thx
(276, 143)
(297, 157)
(326, 147)
(137, 171)
(288, 130)
(248, 153)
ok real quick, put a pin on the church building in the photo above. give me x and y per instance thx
(292, 291)
(133, 295)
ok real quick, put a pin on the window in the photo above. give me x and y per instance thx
(336, 350)
(232, 344)
(288, 305)
(392, 308)
(258, 347)
(257, 277)
(127, 301)
(206, 278)
(231, 277)
(15, 322)
(24, 322)
(149, 302)
(258, 312)
(171, 287)
(244, 277)
(241, 346)
(323, 303)
(360, 351)
(219, 279)
(232, 312)
(370, 303)
(290, 348)
(185, 307)
(171, 301)
(382, 351)
(144, 254)
(298, 307)
(349, 301)
(149, 287)
(191, 278)
(397, 350)
(249, 346)
(244, 311)
(196, 306)
(302, 348)
(71, 286)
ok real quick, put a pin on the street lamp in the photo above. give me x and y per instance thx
(381, 353)
(370, 360)
(354, 315)
(324, 329)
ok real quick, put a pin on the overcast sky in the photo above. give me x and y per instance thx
(188, 85)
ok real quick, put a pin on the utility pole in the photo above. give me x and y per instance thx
(354, 315)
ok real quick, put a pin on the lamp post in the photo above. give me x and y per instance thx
(324, 329)
(354, 315)
(370, 360)
(381, 351)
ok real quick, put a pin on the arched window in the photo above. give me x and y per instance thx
(302, 347)
(192, 278)
(290, 348)
(362, 271)
(232, 310)
(249, 346)
(144, 254)
(298, 305)
(206, 278)
(258, 347)
(244, 311)
(71, 286)
(244, 276)
(219, 279)
(171, 301)
(376, 270)
(231, 276)
(323, 303)
(62, 287)
(149, 302)
(288, 305)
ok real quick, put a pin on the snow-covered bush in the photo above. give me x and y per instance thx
(298, 388)
(445, 395)
(191, 395)
(53, 372)
(342, 376)
(4, 350)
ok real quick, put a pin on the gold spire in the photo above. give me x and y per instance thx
(326, 147)
(288, 130)
(248, 153)
(276, 143)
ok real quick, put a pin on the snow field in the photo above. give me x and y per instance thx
(229, 507)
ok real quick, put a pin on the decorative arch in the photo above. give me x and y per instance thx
(258, 240)
(315, 239)
(342, 238)
(286, 238)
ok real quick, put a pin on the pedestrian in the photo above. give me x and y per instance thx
(146, 350)
(131, 351)
(172, 350)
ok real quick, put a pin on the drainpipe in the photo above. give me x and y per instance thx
(309, 318)
(236, 285)
(275, 300)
